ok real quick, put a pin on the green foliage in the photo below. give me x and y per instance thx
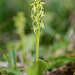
(56, 58)
(6, 56)
(13, 59)
(37, 68)
(12, 62)
(15, 72)
(57, 63)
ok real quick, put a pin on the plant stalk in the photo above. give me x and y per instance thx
(37, 44)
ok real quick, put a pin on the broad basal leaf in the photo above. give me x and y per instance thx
(37, 68)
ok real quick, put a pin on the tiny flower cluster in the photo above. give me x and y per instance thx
(20, 22)
(37, 14)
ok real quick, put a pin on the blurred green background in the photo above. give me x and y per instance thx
(56, 38)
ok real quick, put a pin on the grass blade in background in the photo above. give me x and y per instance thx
(13, 60)
(56, 58)
(60, 61)
(4, 54)
(11, 71)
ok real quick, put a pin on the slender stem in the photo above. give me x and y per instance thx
(37, 36)
(37, 44)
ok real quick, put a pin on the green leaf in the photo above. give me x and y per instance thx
(11, 71)
(13, 60)
(57, 62)
(56, 58)
(37, 68)
(4, 53)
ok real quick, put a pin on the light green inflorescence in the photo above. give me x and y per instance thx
(37, 15)
(20, 22)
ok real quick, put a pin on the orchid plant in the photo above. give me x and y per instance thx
(37, 15)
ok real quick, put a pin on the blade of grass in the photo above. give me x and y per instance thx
(4, 53)
(13, 60)
(11, 71)
(56, 58)
(64, 63)
(60, 61)
(2, 59)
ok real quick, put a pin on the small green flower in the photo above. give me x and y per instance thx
(34, 9)
(42, 13)
(42, 25)
(35, 29)
(32, 15)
